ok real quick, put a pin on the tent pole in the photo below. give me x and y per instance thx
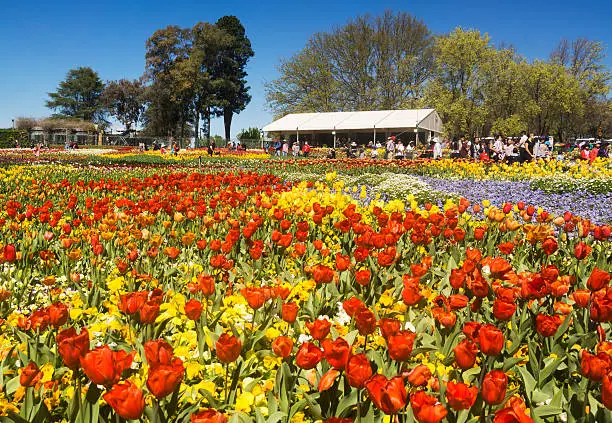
(374, 136)
(334, 137)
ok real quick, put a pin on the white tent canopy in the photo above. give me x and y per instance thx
(380, 120)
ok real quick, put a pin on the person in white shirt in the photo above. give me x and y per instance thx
(437, 149)
(399, 150)
(390, 148)
(498, 149)
(511, 152)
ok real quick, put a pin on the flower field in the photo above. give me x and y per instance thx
(253, 290)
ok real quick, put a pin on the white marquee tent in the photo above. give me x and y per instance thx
(387, 122)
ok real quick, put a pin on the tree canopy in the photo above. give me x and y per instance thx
(124, 100)
(78, 95)
(370, 63)
(393, 61)
(196, 73)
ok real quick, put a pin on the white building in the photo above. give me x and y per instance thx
(338, 127)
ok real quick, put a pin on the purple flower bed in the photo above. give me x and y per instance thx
(596, 207)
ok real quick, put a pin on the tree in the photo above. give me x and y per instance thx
(583, 59)
(124, 101)
(79, 95)
(168, 101)
(249, 134)
(553, 93)
(370, 63)
(457, 90)
(305, 84)
(233, 94)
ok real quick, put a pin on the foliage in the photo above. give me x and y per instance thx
(233, 94)
(8, 137)
(124, 100)
(370, 63)
(78, 96)
(249, 134)
(196, 73)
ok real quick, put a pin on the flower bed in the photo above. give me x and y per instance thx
(165, 294)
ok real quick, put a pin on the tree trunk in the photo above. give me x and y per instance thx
(197, 124)
(227, 120)
(208, 124)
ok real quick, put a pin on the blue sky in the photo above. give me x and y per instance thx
(41, 40)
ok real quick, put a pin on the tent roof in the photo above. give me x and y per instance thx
(379, 119)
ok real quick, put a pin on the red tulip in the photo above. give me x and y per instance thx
(606, 391)
(206, 284)
(58, 314)
(358, 370)
(491, 340)
(336, 352)
(104, 366)
(126, 399)
(352, 306)
(514, 411)
(322, 274)
(342, 262)
(362, 277)
(465, 354)
(419, 376)
(595, 367)
(328, 379)
(365, 321)
(549, 245)
(582, 250)
(426, 408)
(601, 306)
(503, 310)
(282, 346)
(158, 352)
(389, 326)
(547, 326)
(581, 297)
(10, 254)
(72, 346)
(289, 312)
(254, 296)
(411, 294)
(208, 415)
(193, 309)
(400, 345)
(494, 387)
(308, 356)
(460, 396)
(164, 378)
(148, 312)
(30, 375)
(319, 329)
(228, 348)
(598, 279)
(388, 395)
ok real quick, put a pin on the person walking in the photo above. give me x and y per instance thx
(285, 149)
(390, 148)
(498, 149)
(437, 149)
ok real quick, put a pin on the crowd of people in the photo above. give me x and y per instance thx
(525, 148)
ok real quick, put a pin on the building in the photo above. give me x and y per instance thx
(338, 128)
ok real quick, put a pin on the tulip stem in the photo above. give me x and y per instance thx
(359, 406)
(226, 387)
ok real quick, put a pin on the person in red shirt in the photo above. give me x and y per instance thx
(593, 152)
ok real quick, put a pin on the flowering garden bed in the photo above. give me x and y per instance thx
(237, 292)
